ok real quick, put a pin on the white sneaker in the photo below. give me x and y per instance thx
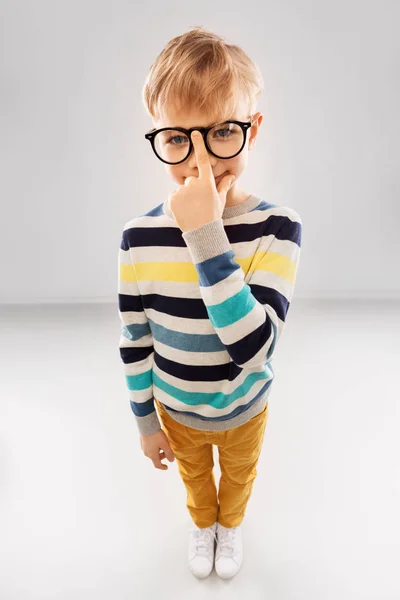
(201, 550)
(229, 554)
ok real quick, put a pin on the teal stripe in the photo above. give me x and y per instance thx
(139, 382)
(216, 399)
(232, 309)
(190, 342)
(136, 331)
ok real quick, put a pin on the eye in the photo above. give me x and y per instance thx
(176, 137)
(226, 130)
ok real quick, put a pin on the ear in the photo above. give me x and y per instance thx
(257, 120)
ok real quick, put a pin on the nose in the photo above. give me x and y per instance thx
(192, 162)
(192, 156)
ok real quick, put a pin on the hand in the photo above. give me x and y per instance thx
(151, 445)
(199, 201)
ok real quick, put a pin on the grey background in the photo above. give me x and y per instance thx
(75, 164)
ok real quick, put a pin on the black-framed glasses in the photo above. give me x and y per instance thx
(174, 145)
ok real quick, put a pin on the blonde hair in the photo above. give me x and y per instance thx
(200, 70)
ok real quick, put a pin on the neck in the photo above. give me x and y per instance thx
(235, 196)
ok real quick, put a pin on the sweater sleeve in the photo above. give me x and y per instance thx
(248, 318)
(135, 344)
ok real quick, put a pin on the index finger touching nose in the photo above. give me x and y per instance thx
(203, 162)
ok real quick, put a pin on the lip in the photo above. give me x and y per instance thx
(219, 177)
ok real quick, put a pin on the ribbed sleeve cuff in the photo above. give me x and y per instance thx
(149, 424)
(207, 241)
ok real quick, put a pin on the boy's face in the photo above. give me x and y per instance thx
(234, 166)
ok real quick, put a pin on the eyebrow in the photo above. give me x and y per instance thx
(199, 126)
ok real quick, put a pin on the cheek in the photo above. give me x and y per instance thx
(237, 164)
(176, 173)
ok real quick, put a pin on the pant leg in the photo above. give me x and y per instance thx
(238, 458)
(194, 457)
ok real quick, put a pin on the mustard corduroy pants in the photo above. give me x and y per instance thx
(238, 452)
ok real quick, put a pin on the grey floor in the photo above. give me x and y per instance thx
(84, 515)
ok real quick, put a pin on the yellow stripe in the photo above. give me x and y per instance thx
(126, 273)
(167, 271)
(280, 265)
(186, 272)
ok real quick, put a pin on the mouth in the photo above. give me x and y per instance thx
(218, 179)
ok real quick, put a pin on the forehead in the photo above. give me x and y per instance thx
(185, 118)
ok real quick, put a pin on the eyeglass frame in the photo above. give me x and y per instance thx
(150, 135)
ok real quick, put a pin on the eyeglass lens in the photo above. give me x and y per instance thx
(224, 139)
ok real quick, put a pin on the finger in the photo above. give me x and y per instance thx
(189, 179)
(158, 464)
(200, 150)
(225, 184)
(169, 454)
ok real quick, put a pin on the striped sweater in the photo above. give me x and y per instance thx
(201, 312)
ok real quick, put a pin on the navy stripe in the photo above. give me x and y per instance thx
(130, 303)
(244, 349)
(194, 308)
(280, 226)
(134, 354)
(142, 409)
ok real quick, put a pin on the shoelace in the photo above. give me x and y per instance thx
(203, 538)
(225, 542)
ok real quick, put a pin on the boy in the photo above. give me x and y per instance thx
(205, 283)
